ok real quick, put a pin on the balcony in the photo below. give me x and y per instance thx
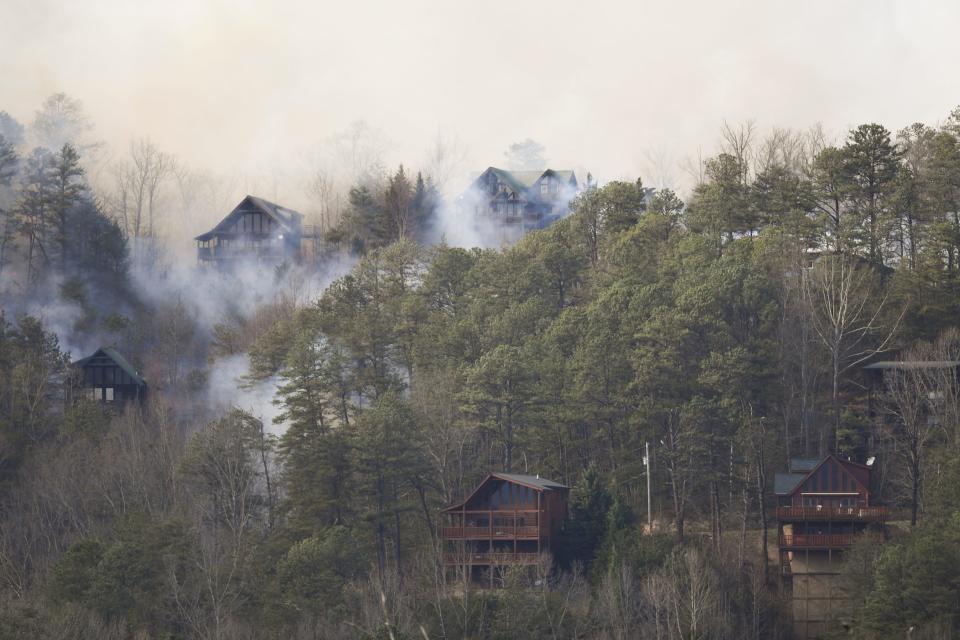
(493, 525)
(821, 514)
(497, 532)
(817, 540)
(498, 559)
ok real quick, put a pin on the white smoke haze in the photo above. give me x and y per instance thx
(212, 296)
(226, 390)
(612, 79)
(329, 96)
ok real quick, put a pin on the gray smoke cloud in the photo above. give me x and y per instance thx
(600, 84)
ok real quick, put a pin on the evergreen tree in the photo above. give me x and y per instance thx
(65, 190)
(590, 503)
(871, 165)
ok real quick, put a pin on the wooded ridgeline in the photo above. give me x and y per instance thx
(730, 333)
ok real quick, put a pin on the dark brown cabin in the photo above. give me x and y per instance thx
(106, 376)
(509, 519)
(823, 505)
(257, 231)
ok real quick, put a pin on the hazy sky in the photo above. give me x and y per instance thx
(603, 85)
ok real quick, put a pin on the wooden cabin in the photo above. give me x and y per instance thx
(107, 377)
(509, 519)
(823, 505)
(258, 232)
(519, 201)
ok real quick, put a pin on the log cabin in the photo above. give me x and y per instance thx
(507, 520)
(519, 201)
(823, 506)
(259, 232)
(107, 377)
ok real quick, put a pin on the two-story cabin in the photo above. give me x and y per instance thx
(259, 232)
(518, 201)
(106, 376)
(509, 519)
(823, 504)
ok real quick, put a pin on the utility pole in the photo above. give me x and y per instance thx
(646, 463)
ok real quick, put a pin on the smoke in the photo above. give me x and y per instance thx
(224, 392)
(211, 296)
(466, 221)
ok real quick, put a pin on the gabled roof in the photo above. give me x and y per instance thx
(803, 468)
(785, 483)
(522, 180)
(288, 219)
(564, 175)
(117, 359)
(519, 180)
(534, 482)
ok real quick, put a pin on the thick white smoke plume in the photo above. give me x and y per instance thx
(210, 297)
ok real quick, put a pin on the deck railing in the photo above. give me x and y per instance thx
(823, 540)
(493, 525)
(503, 558)
(499, 532)
(832, 513)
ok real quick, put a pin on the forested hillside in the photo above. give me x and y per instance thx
(728, 332)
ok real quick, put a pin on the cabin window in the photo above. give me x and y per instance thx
(843, 481)
(92, 394)
(108, 394)
(545, 187)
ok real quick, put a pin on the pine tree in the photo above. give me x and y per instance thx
(66, 188)
(590, 502)
(8, 221)
(871, 163)
(34, 209)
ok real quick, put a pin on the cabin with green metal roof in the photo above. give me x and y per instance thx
(106, 376)
(522, 200)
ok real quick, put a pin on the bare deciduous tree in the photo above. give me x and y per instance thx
(849, 317)
(139, 182)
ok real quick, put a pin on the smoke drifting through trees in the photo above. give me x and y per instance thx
(698, 329)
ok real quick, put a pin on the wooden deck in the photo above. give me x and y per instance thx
(817, 540)
(847, 514)
(493, 559)
(491, 533)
